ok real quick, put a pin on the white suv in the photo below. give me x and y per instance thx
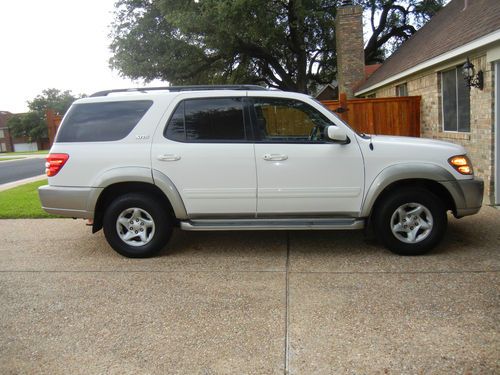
(139, 162)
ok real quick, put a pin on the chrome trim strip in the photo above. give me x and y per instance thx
(308, 192)
(220, 193)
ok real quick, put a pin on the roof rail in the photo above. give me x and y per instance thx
(182, 88)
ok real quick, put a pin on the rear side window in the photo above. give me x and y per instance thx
(98, 122)
(214, 119)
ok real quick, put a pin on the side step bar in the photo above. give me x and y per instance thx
(272, 224)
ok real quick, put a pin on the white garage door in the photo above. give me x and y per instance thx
(19, 147)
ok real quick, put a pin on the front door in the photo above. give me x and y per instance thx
(205, 152)
(299, 171)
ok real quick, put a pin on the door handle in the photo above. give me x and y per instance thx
(168, 157)
(275, 157)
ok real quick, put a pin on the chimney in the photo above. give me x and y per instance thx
(350, 48)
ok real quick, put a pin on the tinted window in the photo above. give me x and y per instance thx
(207, 120)
(94, 122)
(287, 120)
(455, 101)
(175, 129)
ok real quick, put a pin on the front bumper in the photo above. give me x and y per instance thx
(467, 194)
(69, 201)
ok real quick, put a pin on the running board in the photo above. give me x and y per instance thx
(273, 224)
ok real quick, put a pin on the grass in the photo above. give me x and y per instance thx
(22, 202)
(40, 152)
(14, 158)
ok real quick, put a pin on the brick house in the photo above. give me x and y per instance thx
(431, 64)
(5, 138)
(8, 143)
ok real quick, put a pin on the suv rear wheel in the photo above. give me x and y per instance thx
(411, 221)
(136, 226)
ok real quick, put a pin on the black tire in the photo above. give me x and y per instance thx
(416, 238)
(156, 234)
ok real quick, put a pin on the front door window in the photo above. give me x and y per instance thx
(288, 121)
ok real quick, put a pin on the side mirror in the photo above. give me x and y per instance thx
(337, 134)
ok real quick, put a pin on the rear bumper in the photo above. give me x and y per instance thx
(69, 201)
(467, 194)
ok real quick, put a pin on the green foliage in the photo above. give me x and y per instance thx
(29, 125)
(284, 44)
(56, 99)
(22, 202)
(33, 123)
(394, 21)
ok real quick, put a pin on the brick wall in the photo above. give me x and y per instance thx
(5, 138)
(350, 52)
(479, 142)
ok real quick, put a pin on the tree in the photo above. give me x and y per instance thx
(286, 44)
(393, 22)
(27, 125)
(33, 123)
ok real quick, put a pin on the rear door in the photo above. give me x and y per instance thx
(206, 150)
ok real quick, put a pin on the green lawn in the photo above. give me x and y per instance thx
(22, 202)
(14, 158)
(40, 152)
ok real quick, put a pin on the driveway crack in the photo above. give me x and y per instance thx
(287, 303)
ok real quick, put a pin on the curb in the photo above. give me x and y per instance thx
(10, 185)
(23, 157)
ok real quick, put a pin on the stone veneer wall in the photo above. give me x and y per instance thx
(480, 141)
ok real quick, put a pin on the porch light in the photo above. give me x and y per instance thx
(472, 79)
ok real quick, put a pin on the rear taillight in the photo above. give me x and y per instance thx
(54, 163)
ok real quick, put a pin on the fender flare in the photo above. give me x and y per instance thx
(138, 174)
(168, 187)
(411, 171)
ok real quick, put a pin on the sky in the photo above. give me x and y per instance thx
(61, 44)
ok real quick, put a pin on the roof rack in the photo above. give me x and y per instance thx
(183, 88)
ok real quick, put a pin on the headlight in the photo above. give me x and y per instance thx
(462, 164)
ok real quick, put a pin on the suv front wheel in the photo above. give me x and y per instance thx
(411, 221)
(136, 226)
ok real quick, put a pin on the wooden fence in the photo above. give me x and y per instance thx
(391, 116)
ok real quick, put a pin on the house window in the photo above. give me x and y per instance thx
(2, 134)
(402, 90)
(455, 101)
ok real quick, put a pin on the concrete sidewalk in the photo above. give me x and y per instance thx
(13, 184)
(248, 303)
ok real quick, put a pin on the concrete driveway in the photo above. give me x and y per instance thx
(248, 303)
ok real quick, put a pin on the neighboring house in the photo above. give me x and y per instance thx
(8, 143)
(5, 139)
(430, 64)
(328, 92)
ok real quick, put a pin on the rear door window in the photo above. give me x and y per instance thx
(208, 120)
(98, 122)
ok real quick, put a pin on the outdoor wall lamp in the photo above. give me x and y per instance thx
(472, 79)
